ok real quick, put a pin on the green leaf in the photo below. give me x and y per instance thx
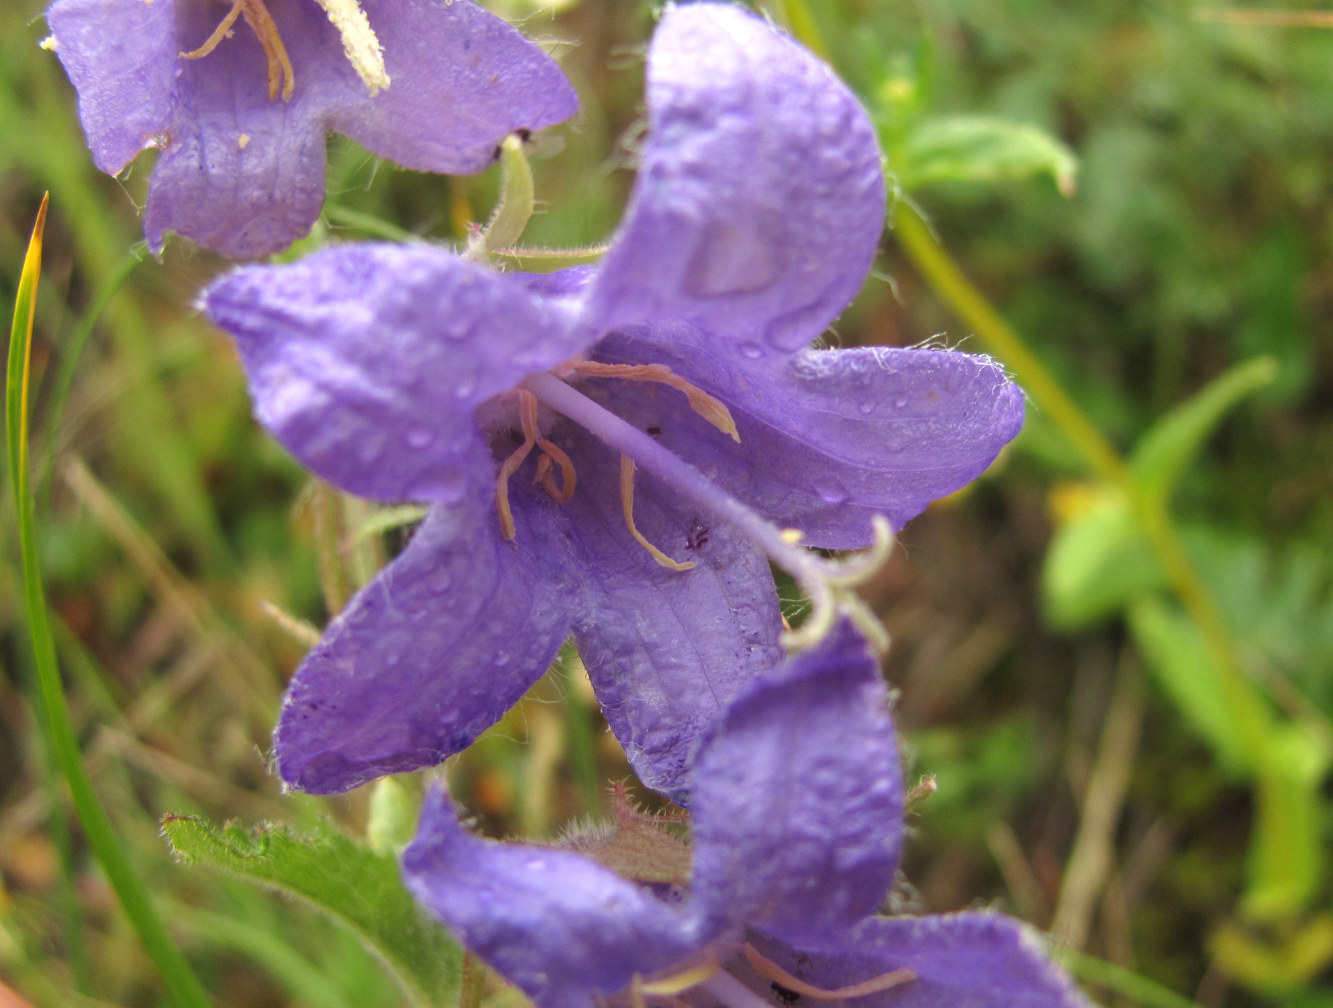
(345, 879)
(1098, 563)
(981, 149)
(1180, 659)
(1175, 440)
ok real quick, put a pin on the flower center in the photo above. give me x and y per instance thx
(827, 583)
(256, 15)
(360, 44)
(722, 984)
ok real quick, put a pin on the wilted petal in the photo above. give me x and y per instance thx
(966, 960)
(760, 196)
(462, 80)
(557, 925)
(837, 436)
(121, 57)
(368, 361)
(665, 649)
(797, 799)
(427, 656)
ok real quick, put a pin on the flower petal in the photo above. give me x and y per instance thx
(121, 57)
(966, 960)
(838, 436)
(368, 362)
(560, 927)
(760, 197)
(462, 80)
(665, 649)
(242, 173)
(427, 656)
(798, 799)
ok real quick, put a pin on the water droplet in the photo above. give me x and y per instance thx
(752, 350)
(465, 388)
(900, 402)
(418, 438)
(832, 493)
(866, 406)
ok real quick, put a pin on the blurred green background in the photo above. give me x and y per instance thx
(1057, 673)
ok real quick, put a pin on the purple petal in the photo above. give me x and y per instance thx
(462, 80)
(560, 927)
(427, 656)
(798, 799)
(243, 174)
(968, 960)
(837, 436)
(666, 650)
(760, 197)
(368, 361)
(121, 57)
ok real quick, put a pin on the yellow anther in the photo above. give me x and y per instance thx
(627, 507)
(792, 536)
(770, 970)
(709, 407)
(281, 79)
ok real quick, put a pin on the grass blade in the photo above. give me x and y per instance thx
(49, 698)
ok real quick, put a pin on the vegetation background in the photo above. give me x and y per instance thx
(1040, 641)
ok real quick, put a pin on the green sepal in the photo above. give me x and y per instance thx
(345, 879)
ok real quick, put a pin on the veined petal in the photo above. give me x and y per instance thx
(121, 57)
(368, 361)
(462, 80)
(760, 196)
(797, 799)
(837, 436)
(560, 927)
(665, 649)
(427, 656)
(966, 960)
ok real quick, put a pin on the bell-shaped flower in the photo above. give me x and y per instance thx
(618, 451)
(239, 95)
(796, 822)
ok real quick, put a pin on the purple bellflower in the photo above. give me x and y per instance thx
(522, 407)
(797, 809)
(239, 95)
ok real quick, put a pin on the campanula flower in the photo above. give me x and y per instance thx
(796, 824)
(615, 451)
(239, 95)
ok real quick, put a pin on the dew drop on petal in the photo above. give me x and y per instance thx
(832, 493)
(752, 350)
(900, 402)
(418, 438)
(866, 406)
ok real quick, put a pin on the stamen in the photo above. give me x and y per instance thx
(627, 506)
(527, 413)
(709, 407)
(770, 970)
(679, 983)
(280, 75)
(568, 475)
(219, 33)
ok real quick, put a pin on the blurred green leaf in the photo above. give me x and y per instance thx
(980, 149)
(345, 879)
(1176, 651)
(1172, 443)
(1286, 861)
(1097, 564)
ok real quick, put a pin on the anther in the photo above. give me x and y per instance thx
(627, 507)
(709, 407)
(527, 413)
(770, 970)
(280, 75)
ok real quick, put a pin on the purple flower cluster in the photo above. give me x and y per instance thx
(615, 453)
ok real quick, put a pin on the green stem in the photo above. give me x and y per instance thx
(1144, 992)
(49, 696)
